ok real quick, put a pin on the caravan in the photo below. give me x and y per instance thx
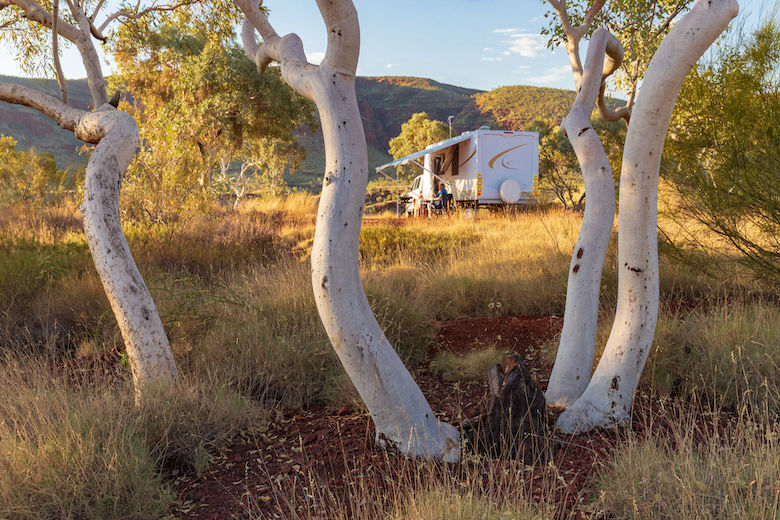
(484, 167)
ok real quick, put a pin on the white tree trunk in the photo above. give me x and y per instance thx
(608, 397)
(148, 350)
(116, 136)
(400, 412)
(574, 360)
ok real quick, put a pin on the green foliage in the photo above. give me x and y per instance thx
(29, 177)
(723, 156)
(639, 25)
(202, 108)
(417, 133)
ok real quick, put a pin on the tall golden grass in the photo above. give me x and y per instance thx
(233, 290)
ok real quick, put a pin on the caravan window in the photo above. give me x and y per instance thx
(455, 160)
(416, 183)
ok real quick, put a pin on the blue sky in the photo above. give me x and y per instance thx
(471, 43)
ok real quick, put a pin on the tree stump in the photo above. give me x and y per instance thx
(514, 425)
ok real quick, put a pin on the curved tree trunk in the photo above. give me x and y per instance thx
(400, 412)
(574, 360)
(116, 136)
(149, 353)
(608, 397)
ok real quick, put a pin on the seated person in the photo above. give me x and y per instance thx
(440, 198)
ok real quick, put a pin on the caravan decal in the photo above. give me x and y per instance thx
(493, 160)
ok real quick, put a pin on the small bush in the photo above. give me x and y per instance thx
(67, 454)
(185, 424)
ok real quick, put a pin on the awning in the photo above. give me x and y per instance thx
(431, 149)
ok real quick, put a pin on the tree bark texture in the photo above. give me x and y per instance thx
(116, 136)
(149, 353)
(401, 414)
(574, 360)
(607, 399)
(514, 425)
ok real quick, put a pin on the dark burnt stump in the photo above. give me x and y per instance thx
(514, 425)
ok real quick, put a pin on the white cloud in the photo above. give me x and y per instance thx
(315, 57)
(523, 67)
(487, 49)
(500, 31)
(553, 75)
(488, 58)
(391, 65)
(528, 45)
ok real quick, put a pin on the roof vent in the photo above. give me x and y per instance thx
(484, 128)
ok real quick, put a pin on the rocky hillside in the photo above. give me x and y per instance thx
(385, 103)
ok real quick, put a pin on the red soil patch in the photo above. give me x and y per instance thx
(309, 459)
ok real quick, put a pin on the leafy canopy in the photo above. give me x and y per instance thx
(200, 104)
(723, 155)
(417, 133)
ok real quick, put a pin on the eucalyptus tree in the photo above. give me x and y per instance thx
(202, 107)
(605, 397)
(400, 412)
(417, 133)
(35, 29)
(724, 147)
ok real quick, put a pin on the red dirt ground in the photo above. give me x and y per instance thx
(277, 474)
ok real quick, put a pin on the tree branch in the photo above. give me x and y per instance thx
(34, 12)
(574, 34)
(287, 50)
(127, 14)
(67, 116)
(55, 51)
(668, 21)
(89, 56)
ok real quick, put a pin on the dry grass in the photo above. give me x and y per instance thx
(735, 476)
(234, 292)
(68, 453)
(471, 366)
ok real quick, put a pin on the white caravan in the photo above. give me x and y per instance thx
(481, 167)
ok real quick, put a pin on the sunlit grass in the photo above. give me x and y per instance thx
(234, 292)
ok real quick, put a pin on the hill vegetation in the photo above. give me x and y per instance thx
(385, 102)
